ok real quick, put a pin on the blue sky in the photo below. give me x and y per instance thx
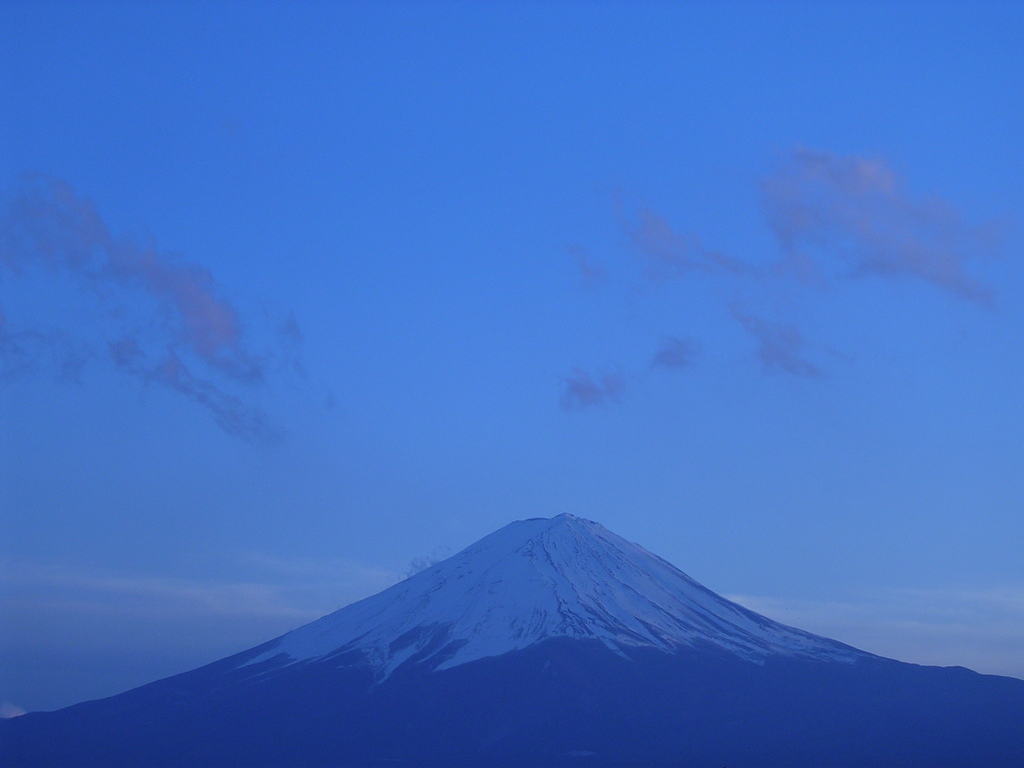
(296, 297)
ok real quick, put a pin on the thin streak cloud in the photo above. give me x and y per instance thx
(977, 628)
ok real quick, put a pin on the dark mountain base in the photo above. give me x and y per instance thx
(559, 703)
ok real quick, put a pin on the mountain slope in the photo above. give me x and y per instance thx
(551, 643)
(540, 579)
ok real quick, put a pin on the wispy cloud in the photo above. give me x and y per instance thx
(670, 253)
(834, 218)
(583, 391)
(675, 352)
(189, 337)
(427, 561)
(592, 272)
(853, 210)
(23, 350)
(233, 414)
(780, 345)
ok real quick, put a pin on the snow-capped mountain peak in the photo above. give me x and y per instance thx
(539, 579)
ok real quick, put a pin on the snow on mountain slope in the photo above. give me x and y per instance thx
(538, 579)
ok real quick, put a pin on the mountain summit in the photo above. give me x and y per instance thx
(550, 643)
(535, 580)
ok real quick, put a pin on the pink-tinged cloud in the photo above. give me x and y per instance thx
(15, 355)
(675, 352)
(47, 225)
(780, 345)
(671, 254)
(233, 414)
(22, 348)
(825, 208)
(583, 391)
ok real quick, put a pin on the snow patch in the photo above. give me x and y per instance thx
(538, 579)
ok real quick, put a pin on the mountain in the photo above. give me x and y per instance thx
(536, 580)
(551, 642)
